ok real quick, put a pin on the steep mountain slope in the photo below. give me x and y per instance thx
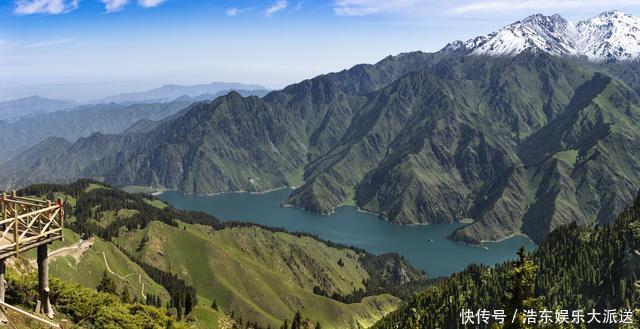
(232, 143)
(628, 72)
(581, 167)
(520, 144)
(551, 34)
(609, 37)
(474, 146)
(80, 122)
(578, 268)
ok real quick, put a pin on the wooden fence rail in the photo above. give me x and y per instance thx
(27, 223)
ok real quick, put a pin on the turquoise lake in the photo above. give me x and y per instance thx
(425, 246)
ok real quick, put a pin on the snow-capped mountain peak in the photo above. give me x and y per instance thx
(610, 36)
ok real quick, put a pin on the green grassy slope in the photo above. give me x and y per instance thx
(261, 275)
(88, 270)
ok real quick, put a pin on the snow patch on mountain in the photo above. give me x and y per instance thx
(610, 36)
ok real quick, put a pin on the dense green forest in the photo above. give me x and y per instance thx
(575, 268)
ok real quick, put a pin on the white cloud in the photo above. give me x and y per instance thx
(431, 7)
(279, 5)
(232, 12)
(369, 7)
(50, 43)
(538, 5)
(114, 5)
(150, 3)
(237, 11)
(52, 7)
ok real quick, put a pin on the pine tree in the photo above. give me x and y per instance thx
(106, 284)
(188, 304)
(520, 291)
(126, 295)
(297, 321)
(178, 303)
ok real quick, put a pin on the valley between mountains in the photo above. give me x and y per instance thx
(520, 144)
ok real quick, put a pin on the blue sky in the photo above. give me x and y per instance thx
(90, 48)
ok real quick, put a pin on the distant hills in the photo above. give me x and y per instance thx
(15, 109)
(173, 92)
(520, 143)
(79, 122)
(32, 120)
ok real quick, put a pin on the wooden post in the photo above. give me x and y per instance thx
(3, 318)
(43, 279)
(61, 204)
(4, 208)
(2, 282)
(16, 235)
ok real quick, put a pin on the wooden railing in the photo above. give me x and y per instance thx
(5, 306)
(28, 222)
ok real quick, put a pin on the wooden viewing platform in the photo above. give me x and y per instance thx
(29, 223)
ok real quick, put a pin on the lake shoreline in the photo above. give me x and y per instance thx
(284, 204)
(425, 245)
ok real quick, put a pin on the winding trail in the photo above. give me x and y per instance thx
(78, 249)
(124, 278)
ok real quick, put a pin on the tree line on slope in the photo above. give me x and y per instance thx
(575, 268)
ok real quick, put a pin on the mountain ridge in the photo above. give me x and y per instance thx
(520, 144)
(611, 36)
(13, 110)
(173, 92)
